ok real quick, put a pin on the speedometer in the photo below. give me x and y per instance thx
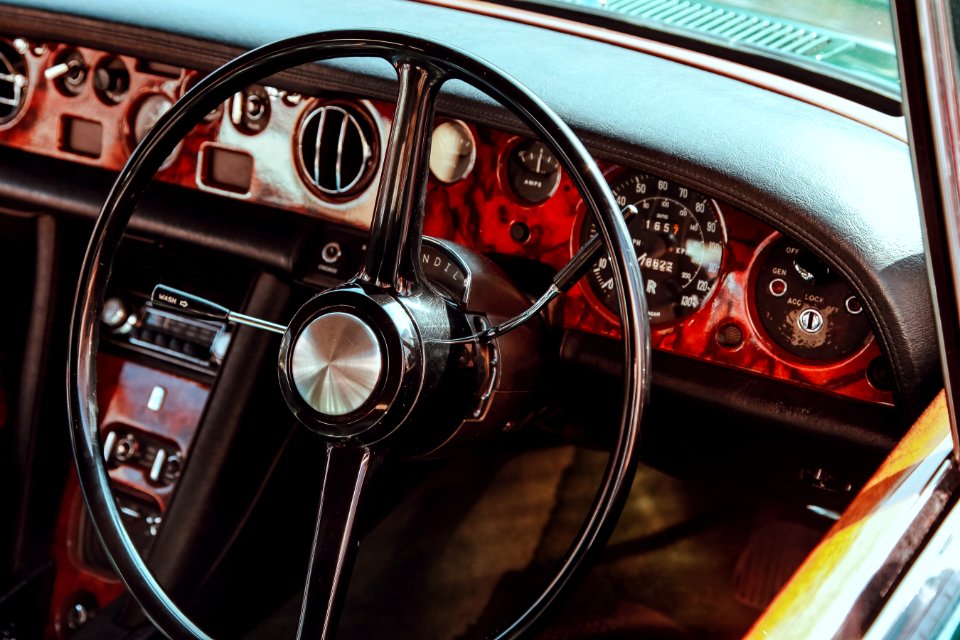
(679, 238)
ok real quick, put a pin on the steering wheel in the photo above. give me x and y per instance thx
(398, 334)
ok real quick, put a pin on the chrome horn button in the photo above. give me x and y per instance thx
(337, 363)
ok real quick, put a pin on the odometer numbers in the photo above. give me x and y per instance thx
(679, 238)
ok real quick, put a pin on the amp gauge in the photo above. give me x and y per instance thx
(533, 171)
(805, 307)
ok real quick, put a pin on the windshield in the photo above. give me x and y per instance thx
(851, 40)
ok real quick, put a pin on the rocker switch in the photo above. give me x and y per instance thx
(108, 445)
(157, 396)
(159, 462)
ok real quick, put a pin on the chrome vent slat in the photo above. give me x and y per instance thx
(316, 157)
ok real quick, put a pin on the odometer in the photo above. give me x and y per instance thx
(679, 238)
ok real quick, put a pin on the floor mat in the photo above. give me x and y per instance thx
(464, 551)
(671, 557)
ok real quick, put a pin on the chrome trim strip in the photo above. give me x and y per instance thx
(940, 68)
(316, 150)
(926, 604)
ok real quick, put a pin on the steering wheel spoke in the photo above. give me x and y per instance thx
(346, 477)
(393, 246)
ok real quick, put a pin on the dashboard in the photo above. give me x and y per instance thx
(777, 235)
(722, 286)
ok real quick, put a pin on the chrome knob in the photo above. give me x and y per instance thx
(337, 363)
(114, 314)
(126, 448)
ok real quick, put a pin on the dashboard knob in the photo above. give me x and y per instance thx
(114, 314)
(126, 448)
(111, 80)
(218, 350)
(69, 74)
(250, 111)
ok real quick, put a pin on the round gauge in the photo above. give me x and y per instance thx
(805, 306)
(144, 115)
(533, 171)
(452, 151)
(679, 238)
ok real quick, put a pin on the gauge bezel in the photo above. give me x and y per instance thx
(26, 95)
(128, 137)
(368, 178)
(615, 176)
(503, 174)
(463, 126)
(757, 261)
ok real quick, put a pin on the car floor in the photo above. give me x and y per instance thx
(467, 548)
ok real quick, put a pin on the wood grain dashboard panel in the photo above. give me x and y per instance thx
(477, 212)
(175, 420)
(124, 397)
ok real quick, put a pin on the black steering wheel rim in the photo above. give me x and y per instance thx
(146, 160)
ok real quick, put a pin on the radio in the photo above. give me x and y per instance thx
(197, 344)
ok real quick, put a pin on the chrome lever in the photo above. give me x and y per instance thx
(193, 306)
(57, 70)
(563, 281)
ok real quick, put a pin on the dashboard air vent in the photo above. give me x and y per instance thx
(13, 82)
(337, 149)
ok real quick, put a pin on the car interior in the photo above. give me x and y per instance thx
(638, 458)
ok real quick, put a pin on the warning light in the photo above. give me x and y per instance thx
(778, 287)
